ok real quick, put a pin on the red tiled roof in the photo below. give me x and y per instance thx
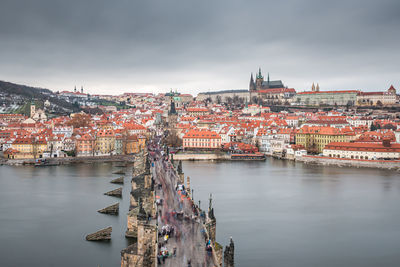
(277, 90)
(204, 134)
(360, 146)
(329, 92)
(197, 110)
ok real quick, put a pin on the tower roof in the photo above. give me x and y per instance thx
(259, 75)
(251, 79)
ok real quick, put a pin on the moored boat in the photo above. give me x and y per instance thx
(45, 162)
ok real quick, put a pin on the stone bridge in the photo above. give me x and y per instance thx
(170, 228)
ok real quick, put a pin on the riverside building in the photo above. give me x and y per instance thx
(361, 150)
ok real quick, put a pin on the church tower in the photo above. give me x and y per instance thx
(33, 110)
(259, 80)
(172, 115)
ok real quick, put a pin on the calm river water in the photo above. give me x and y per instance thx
(279, 213)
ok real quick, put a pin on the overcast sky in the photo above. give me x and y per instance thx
(116, 46)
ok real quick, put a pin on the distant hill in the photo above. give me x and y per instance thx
(14, 98)
(23, 90)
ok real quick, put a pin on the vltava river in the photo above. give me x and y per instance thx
(292, 215)
(279, 213)
(45, 213)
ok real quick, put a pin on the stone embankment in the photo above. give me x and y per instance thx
(381, 164)
(103, 234)
(201, 156)
(70, 160)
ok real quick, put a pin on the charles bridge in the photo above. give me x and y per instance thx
(161, 199)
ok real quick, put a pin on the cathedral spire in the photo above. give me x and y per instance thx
(312, 87)
(317, 88)
(252, 85)
(268, 78)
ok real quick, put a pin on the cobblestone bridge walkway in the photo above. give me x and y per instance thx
(175, 210)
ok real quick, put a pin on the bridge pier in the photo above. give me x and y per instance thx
(229, 254)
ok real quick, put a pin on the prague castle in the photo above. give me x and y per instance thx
(260, 84)
(267, 92)
(270, 92)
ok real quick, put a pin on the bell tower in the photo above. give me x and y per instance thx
(259, 80)
(33, 110)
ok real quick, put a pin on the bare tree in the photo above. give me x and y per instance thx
(219, 99)
(173, 139)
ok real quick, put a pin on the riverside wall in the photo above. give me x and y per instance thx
(67, 160)
(201, 156)
(359, 163)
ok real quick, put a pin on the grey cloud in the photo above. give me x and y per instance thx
(115, 46)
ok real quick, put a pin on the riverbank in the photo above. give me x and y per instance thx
(219, 156)
(202, 156)
(70, 160)
(358, 163)
(340, 162)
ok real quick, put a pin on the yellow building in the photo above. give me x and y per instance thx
(132, 144)
(105, 142)
(26, 148)
(39, 147)
(315, 138)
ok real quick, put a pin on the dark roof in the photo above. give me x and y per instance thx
(272, 84)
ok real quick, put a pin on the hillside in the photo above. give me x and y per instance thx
(14, 98)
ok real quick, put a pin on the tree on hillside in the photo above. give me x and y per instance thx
(236, 99)
(254, 100)
(80, 120)
(219, 99)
